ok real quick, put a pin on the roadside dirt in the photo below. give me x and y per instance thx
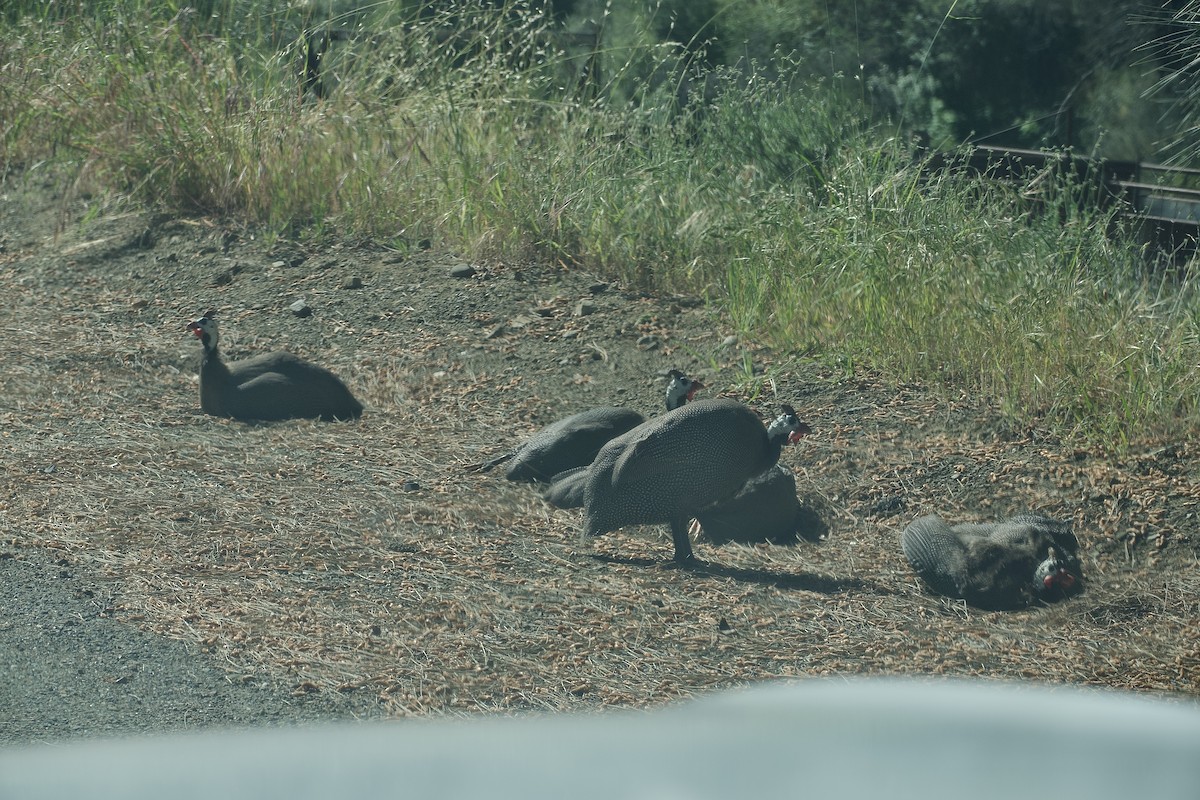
(165, 569)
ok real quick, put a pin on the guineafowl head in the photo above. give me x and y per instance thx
(205, 329)
(1053, 578)
(681, 390)
(787, 427)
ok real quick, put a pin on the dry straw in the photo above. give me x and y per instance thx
(293, 552)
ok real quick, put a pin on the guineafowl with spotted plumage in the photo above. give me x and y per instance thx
(765, 509)
(573, 442)
(272, 386)
(566, 488)
(996, 566)
(669, 469)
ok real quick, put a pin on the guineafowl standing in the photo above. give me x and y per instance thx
(567, 487)
(995, 566)
(575, 441)
(669, 469)
(272, 386)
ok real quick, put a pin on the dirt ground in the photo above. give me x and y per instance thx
(165, 569)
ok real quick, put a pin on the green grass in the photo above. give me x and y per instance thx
(814, 227)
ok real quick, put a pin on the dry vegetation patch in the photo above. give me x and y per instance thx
(367, 557)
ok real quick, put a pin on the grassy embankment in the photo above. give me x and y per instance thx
(780, 201)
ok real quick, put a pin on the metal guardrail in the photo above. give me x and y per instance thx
(1161, 201)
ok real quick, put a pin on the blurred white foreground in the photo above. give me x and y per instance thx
(856, 738)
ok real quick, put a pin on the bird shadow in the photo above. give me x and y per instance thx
(764, 577)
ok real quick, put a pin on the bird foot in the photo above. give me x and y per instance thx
(688, 561)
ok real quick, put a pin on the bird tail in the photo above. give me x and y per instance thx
(491, 463)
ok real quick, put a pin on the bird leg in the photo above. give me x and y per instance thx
(683, 542)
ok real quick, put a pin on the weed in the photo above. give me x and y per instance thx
(818, 231)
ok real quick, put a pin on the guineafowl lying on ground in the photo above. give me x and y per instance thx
(575, 441)
(996, 566)
(567, 488)
(669, 469)
(765, 509)
(273, 386)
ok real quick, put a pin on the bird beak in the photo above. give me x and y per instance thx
(799, 433)
(1060, 578)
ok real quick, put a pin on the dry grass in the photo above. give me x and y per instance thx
(293, 550)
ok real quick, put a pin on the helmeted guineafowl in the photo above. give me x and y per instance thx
(995, 566)
(765, 509)
(566, 488)
(669, 469)
(273, 386)
(574, 441)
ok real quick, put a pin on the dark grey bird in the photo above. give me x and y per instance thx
(272, 386)
(765, 509)
(574, 442)
(668, 470)
(566, 488)
(996, 566)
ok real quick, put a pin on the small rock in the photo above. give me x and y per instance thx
(139, 304)
(600, 287)
(286, 259)
(585, 307)
(462, 271)
(647, 342)
(223, 278)
(353, 282)
(569, 335)
(301, 309)
(411, 486)
(729, 341)
(495, 332)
